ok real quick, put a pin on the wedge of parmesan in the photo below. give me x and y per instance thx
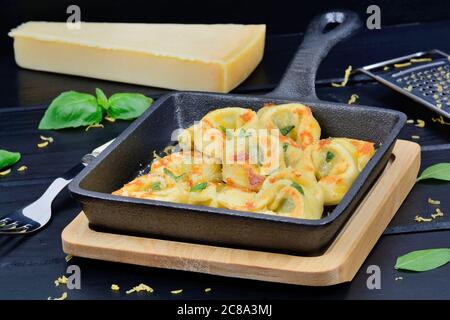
(200, 57)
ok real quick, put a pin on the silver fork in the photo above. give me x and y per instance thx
(37, 214)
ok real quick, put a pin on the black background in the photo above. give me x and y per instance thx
(28, 265)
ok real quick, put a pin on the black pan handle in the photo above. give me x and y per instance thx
(298, 82)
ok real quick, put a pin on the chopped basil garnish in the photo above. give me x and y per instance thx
(156, 186)
(330, 156)
(223, 129)
(199, 187)
(285, 131)
(298, 187)
(170, 174)
(244, 134)
(285, 146)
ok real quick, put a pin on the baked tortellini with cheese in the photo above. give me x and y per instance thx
(272, 161)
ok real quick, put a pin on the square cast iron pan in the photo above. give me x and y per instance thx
(132, 151)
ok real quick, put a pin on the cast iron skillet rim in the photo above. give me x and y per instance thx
(75, 187)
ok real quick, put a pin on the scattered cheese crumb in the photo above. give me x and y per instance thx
(386, 68)
(402, 65)
(420, 123)
(49, 139)
(61, 280)
(422, 219)
(440, 120)
(68, 258)
(439, 88)
(42, 144)
(353, 99)
(115, 287)
(110, 119)
(415, 137)
(5, 173)
(22, 168)
(347, 73)
(408, 88)
(410, 121)
(431, 201)
(398, 278)
(155, 156)
(415, 60)
(63, 297)
(139, 288)
(437, 214)
(95, 125)
(208, 290)
(178, 291)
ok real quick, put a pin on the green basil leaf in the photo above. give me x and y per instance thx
(285, 146)
(173, 176)
(423, 260)
(439, 171)
(156, 186)
(330, 156)
(127, 106)
(223, 129)
(298, 187)
(199, 187)
(244, 133)
(71, 109)
(8, 158)
(102, 100)
(285, 131)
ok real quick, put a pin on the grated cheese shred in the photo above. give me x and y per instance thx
(22, 168)
(344, 82)
(420, 123)
(178, 291)
(63, 297)
(434, 202)
(115, 287)
(42, 144)
(61, 280)
(440, 120)
(402, 65)
(95, 125)
(49, 139)
(422, 219)
(5, 172)
(353, 99)
(139, 288)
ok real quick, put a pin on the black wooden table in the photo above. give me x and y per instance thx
(29, 265)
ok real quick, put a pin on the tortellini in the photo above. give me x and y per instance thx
(337, 163)
(294, 120)
(289, 193)
(270, 162)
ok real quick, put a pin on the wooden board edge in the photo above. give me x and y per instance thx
(340, 267)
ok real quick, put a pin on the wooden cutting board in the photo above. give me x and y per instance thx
(338, 264)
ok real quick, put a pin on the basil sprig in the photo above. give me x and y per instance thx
(423, 260)
(439, 171)
(199, 187)
(72, 109)
(8, 158)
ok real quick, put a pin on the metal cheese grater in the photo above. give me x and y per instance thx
(422, 76)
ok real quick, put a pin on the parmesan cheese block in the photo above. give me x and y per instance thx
(213, 58)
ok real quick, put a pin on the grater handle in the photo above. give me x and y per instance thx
(298, 82)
